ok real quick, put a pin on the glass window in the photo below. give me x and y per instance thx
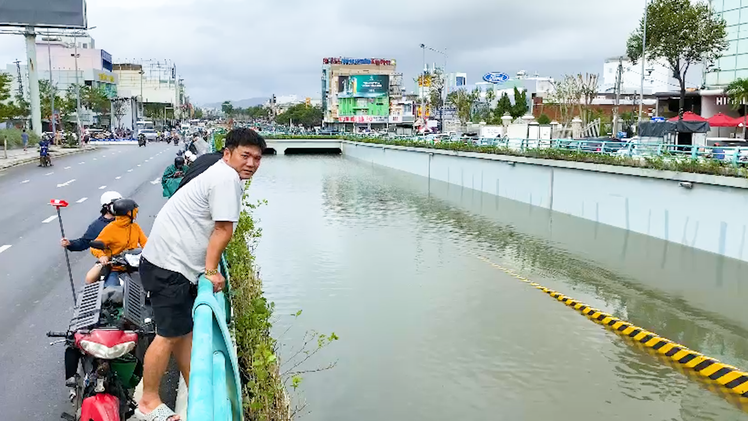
(732, 17)
(732, 48)
(726, 77)
(731, 4)
(744, 15)
(742, 62)
(726, 63)
(743, 74)
(742, 46)
(711, 79)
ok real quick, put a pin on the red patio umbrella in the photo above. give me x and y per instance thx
(689, 116)
(722, 120)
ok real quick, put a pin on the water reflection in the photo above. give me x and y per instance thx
(430, 332)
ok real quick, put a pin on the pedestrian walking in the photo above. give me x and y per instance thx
(25, 139)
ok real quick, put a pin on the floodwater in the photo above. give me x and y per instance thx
(428, 331)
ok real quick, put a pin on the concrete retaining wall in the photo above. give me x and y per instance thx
(711, 216)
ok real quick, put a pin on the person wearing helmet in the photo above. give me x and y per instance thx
(173, 176)
(121, 234)
(107, 216)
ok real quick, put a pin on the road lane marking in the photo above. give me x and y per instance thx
(81, 163)
(156, 181)
(102, 187)
(130, 170)
(25, 181)
(138, 165)
(94, 159)
(66, 168)
(117, 178)
(81, 200)
(67, 183)
(50, 219)
(5, 247)
(50, 173)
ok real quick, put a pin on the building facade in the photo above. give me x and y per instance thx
(356, 92)
(734, 61)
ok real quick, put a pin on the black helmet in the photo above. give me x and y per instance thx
(123, 207)
(179, 161)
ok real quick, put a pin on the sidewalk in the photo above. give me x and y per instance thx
(19, 157)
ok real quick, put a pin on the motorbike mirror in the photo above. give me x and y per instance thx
(98, 245)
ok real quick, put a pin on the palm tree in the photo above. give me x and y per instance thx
(737, 91)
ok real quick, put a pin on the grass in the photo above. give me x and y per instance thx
(664, 162)
(13, 137)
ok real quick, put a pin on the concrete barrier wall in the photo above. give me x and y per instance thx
(711, 216)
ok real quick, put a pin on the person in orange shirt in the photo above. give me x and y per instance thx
(120, 235)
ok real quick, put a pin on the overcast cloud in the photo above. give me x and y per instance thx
(236, 49)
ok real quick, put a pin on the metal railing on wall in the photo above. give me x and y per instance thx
(214, 391)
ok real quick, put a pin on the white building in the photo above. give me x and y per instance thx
(657, 77)
(150, 82)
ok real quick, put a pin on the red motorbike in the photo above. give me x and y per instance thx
(105, 345)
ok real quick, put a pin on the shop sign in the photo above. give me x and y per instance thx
(358, 61)
(362, 119)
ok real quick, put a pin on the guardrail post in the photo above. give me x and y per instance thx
(694, 152)
(735, 157)
(201, 400)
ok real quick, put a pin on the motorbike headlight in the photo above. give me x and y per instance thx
(133, 260)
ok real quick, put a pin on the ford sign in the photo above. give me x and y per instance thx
(495, 77)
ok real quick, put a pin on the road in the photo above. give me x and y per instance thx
(36, 295)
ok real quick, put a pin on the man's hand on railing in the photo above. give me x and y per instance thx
(218, 281)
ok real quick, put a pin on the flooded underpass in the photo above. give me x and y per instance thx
(404, 270)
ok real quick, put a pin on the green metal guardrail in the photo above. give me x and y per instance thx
(215, 391)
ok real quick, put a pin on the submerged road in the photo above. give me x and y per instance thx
(36, 295)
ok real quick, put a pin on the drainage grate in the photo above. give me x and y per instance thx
(89, 307)
(134, 302)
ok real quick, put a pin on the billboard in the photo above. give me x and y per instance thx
(44, 13)
(363, 86)
(358, 61)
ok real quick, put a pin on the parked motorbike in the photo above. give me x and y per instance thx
(105, 344)
(141, 140)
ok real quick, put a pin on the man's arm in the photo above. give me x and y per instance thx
(219, 239)
(81, 244)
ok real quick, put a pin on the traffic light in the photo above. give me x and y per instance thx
(273, 98)
(308, 101)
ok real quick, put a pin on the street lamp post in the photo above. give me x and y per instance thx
(422, 84)
(142, 102)
(77, 96)
(644, 47)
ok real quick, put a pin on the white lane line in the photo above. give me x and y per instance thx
(5, 247)
(67, 183)
(50, 173)
(138, 165)
(66, 168)
(81, 163)
(50, 219)
(156, 181)
(130, 170)
(94, 159)
(25, 181)
(117, 178)
(81, 200)
(102, 187)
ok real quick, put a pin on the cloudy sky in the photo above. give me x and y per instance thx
(236, 49)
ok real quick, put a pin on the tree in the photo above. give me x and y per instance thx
(119, 109)
(227, 108)
(436, 91)
(503, 106)
(520, 106)
(303, 114)
(566, 96)
(7, 108)
(95, 99)
(681, 33)
(544, 119)
(737, 91)
(587, 86)
(198, 113)
(463, 101)
(46, 91)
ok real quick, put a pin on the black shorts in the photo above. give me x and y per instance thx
(172, 296)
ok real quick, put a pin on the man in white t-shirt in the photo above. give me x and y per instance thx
(188, 237)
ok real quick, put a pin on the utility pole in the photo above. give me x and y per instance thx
(644, 47)
(20, 78)
(78, 96)
(619, 76)
(51, 88)
(34, 103)
(422, 86)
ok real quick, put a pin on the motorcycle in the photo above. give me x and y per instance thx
(141, 140)
(105, 344)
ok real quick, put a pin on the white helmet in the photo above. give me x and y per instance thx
(109, 197)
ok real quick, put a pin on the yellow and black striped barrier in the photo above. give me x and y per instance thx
(729, 378)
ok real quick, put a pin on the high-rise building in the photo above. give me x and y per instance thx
(356, 92)
(734, 62)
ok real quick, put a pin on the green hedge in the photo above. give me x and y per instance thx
(14, 138)
(667, 162)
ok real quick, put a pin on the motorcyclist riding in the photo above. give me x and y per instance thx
(94, 229)
(120, 235)
(44, 158)
(173, 176)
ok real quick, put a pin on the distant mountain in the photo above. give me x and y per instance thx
(242, 103)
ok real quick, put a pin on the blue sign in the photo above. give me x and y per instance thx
(658, 119)
(495, 77)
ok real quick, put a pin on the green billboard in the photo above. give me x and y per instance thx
(363, 86)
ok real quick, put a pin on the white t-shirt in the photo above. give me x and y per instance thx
(180, 234)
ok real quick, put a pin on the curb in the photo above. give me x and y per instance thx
(730, 378)
(35, 158)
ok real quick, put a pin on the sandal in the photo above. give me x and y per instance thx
(161, 413)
